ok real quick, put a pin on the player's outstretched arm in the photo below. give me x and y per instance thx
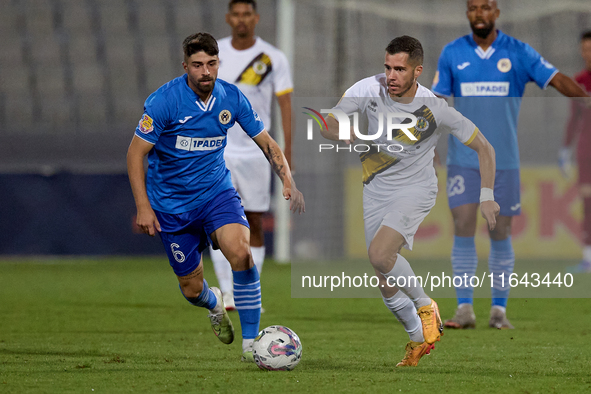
(486, 157)
(279, 164)
(146, 218)
(570, 88)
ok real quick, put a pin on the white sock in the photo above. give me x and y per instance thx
(587, 253)
(247, 343)
(404, 310)
(223, 270)
(258, 256)
(404, 277)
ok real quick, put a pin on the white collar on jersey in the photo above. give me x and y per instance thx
(484, 54)
(206, 106)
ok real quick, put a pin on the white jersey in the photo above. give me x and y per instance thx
(392, 164)
(260, 72)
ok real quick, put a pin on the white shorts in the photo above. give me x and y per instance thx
(251, 177)
(404, 210)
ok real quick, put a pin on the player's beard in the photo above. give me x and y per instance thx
(482, 32)
(242, 31)
(405, 88)
(205, 89)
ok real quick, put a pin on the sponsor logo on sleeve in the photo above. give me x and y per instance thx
(546, 63)
(199, 144)
(256, 116)
(146, 124)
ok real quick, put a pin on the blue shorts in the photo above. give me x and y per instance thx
(463, 187)
(186, 235)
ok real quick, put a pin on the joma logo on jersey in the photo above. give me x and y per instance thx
(485, 89)
(194, 144)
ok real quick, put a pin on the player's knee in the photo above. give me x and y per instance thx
(381, 259)
(464, 227)
(242, 258)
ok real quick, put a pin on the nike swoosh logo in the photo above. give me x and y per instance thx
(244, 217)
(463, 65)
(515, 207)
(183, 121)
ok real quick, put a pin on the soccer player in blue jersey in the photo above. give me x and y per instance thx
(486, 72)
(188, 197)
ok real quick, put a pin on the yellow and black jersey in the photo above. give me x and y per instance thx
(262, 73)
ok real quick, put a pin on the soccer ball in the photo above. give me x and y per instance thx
(277, 348)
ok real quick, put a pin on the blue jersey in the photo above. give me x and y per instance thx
(186, 167)
(494, 81)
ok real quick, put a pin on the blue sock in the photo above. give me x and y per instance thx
(247, 297)
(464, 261)
(206, 298)
(501, 261)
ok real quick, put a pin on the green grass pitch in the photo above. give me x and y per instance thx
(121, 325)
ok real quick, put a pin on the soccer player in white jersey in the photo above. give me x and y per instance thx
(261, 71)
(187, 196)
(400, 185)
(486, 72)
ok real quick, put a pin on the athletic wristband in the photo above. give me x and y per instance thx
(486, 194)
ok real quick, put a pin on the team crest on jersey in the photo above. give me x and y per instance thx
(259, 67)
(422, 124)
(256, 71)
(146, 124)
(225, 116)
(504, 65)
